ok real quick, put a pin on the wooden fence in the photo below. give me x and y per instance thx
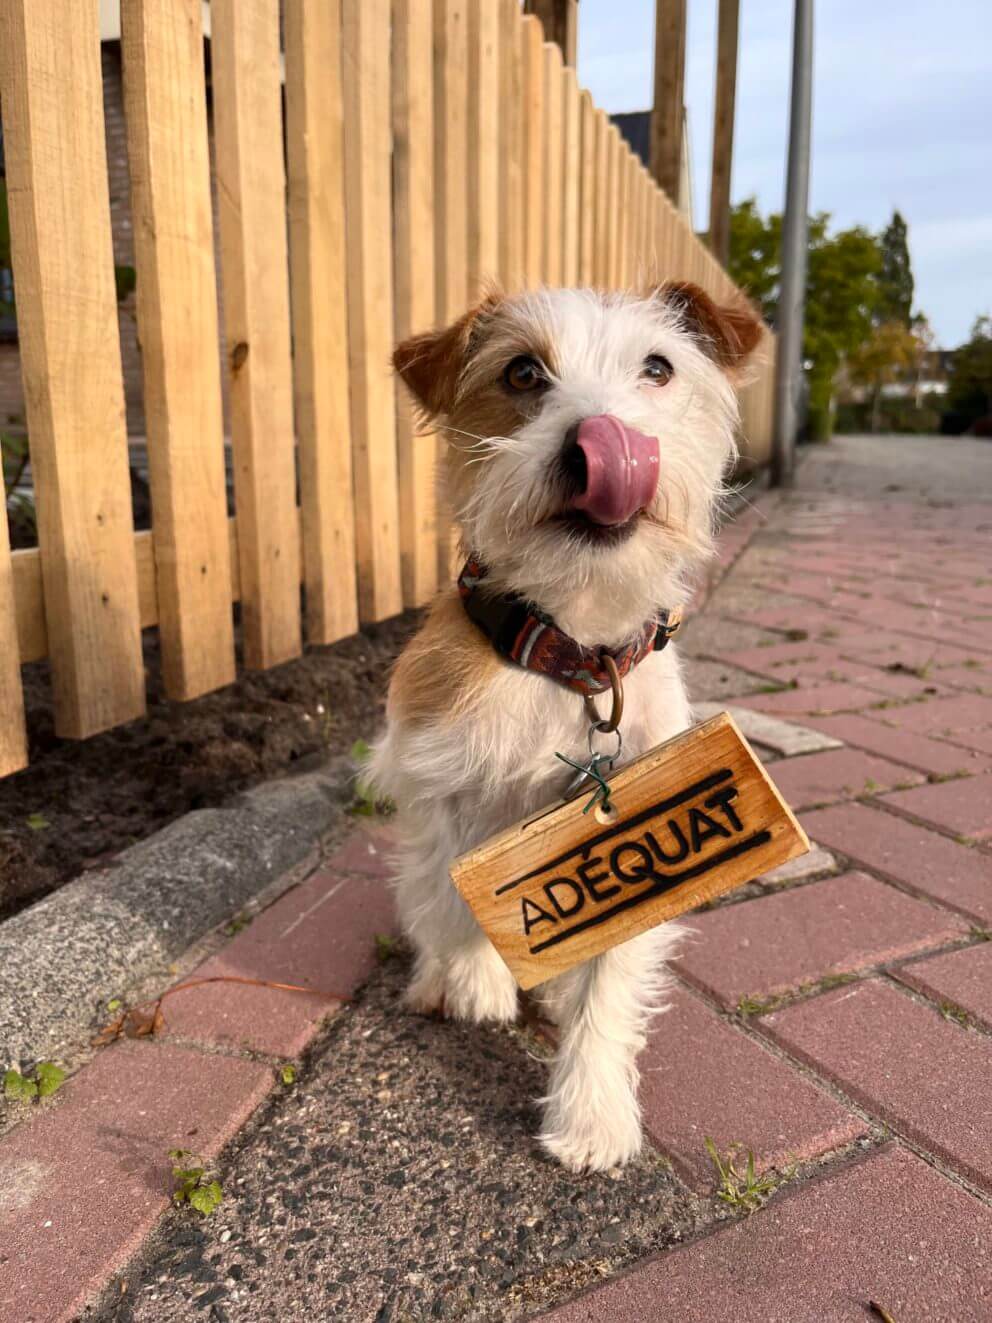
(371, 173)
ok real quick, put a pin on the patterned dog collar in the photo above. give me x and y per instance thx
(523, 634)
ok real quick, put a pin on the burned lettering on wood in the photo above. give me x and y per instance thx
(692, 819)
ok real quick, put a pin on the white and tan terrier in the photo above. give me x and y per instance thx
(588, 438)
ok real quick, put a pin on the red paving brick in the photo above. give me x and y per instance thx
(84, 1181)
(925, 1076)
(957, 875)
(786, 1119)
(963, 712)
(822, 778)
(963, 978)
(962, 807)
(762, 947)
(977, 741)
(919, 751)
(817, 698)
(887, 1228)
(320, 934)
(367, 850)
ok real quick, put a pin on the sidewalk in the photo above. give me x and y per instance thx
(835, 1018)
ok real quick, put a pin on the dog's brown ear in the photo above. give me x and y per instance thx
(431, 363)
(726, 332)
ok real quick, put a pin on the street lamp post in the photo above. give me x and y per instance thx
(792, 293)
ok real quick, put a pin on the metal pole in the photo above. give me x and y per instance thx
(792, 293)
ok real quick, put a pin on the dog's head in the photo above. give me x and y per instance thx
(587, 434)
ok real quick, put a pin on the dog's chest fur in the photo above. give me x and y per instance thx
(496, 756)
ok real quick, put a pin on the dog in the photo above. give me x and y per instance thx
(588, 435)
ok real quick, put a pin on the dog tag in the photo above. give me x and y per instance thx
(688, 821)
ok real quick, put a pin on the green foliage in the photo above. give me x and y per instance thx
(37, 822)
(385, 947)
(744, 1190)
(288, 1076)
(190, 1184)
(46, 1079)
(895, 279)
(969, 389)
(367, 804)
(854, 278)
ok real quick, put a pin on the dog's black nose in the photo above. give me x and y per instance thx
(573, 461)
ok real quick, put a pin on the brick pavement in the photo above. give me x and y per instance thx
(836, 1023)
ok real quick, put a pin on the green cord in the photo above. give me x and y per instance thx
(592, 770)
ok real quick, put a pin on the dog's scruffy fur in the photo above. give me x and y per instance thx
(470, 742)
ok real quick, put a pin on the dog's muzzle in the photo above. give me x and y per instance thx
(614, 466)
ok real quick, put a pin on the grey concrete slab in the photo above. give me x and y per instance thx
(63, 958)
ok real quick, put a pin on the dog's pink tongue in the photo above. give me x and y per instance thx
(621, 469)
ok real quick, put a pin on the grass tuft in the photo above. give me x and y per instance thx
(741, 1189)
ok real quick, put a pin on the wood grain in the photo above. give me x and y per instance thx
(511, 147)
(572, 181)
(413, 261)
(587, 189)
(56, 165)
(533, 67)
(166, 118)
(483, 145)
(368, 168)
(13, 737)
(692, 819)
(251, 178)
(319, 283)
(554, 178)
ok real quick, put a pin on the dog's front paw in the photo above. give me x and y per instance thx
(425, 992)
(584, 1138)
(479, 987)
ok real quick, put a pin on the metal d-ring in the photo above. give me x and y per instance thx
(612, 723)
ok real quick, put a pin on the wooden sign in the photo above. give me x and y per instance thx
(688, 821)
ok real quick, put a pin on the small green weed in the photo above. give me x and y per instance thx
(758, 1005)
(386, 947)
(37, 822)
(952, 1011)
(744, 1191)
(191, 1185)
(366, 803)
(288, 1076)
(981, 934)
(44, 1080)
(235, 925)
(797, 635)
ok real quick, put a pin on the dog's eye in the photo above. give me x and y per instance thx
(657, 370)
(524, 373)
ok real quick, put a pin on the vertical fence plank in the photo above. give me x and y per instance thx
(587, 189)
(614, 147)
(255, 265)
(484, 144)
(451, 54)
(601, 254)
(13, 738)
(451, 155)
(554, 183)
(166, 118)
(534, 193)
(318, 282)
(413, 259)
(511, 147)
(368, 169)
(572, 183)
(622, 202)
(59, 203)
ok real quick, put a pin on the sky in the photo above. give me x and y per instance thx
(902, 118)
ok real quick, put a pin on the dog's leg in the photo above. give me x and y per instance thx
(457, 969)
(591, 1115)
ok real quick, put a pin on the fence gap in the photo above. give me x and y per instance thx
(572, 182)
(13, 737)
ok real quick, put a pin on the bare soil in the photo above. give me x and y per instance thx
(77, 804)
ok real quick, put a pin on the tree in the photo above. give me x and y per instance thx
(969, 388)
(842, 292)
(895, 281)
(891, 351)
